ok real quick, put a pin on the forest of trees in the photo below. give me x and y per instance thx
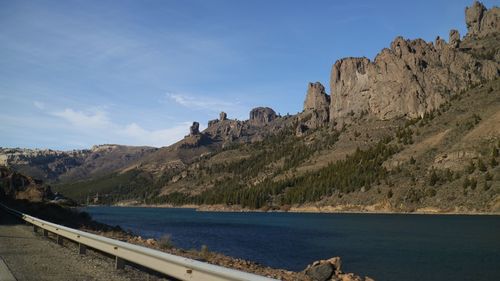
(361, 169)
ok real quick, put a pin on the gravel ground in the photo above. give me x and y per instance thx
(30, 256)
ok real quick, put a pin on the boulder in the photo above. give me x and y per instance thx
(320, 271)
(337, 263)
(194, 129)
(261, 116)
(331, 270)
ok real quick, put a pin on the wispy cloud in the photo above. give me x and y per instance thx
(201, 102)
(97, 123)
(156, 138)
(92, 120)
(39, 105)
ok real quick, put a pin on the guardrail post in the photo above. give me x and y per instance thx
(45, 233)
(119, 263)
(59, 240)
(82, 249)
(35, 228)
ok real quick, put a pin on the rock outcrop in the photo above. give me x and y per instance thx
(194, 129)
(222, 116)
(316, 97)
(412, 76)
(331, 269)
(227, 130)
(263, 121)
(316, 109)
(261, 116)
(454, 39)
(480, 21)
(14, 185)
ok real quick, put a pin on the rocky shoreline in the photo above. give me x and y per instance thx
(342, 209)
(321, 270)
(75, 218)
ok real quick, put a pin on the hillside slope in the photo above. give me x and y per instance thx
(54, 166)
(416, 129)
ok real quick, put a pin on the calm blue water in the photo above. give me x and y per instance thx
(386, 247)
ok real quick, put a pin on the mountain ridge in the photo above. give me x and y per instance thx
(399, 109)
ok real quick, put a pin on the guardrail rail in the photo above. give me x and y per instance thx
(171, 265)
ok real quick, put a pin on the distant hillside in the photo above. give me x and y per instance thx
(52, 165)
(416, 129)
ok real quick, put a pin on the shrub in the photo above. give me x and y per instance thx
(204, 252)
(481, 166)
(466, 183)
(389, 194)
(434, 178)
(412, 160)
(470, 168)
(476, 118)
(431, 192)
(165, 242)
(473, 183)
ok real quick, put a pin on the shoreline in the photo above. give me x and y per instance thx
(309, 210)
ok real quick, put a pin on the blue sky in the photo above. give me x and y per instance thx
(78, 73)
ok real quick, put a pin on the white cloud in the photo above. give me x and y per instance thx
(93, 120)
(200, 102)
(39, 105)
(98, 125)
(156, 138)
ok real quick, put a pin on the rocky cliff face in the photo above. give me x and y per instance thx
(406, 80)
(262, 121)
(412, 76)
(480, 21)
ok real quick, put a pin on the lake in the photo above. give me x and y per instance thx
(382, 246)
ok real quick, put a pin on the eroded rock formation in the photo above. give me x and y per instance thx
(412, 76)
(480, 21)
(261, 116)
(454, 39)
(222, 116)
(316, 109)
(194, 129)
(316, 97)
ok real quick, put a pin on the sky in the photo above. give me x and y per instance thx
(78, 73)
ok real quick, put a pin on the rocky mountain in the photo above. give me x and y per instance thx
(414, 129)
(54, 165)
(413, 77)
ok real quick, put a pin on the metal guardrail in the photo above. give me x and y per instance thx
(171, 265)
